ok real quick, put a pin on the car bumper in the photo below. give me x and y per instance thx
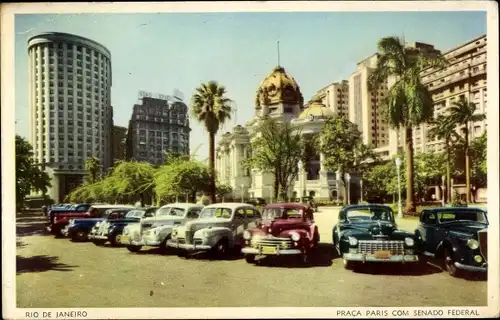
(371, 258)
(483, 268)
(277, 252)
(97, 237)
(188, 247)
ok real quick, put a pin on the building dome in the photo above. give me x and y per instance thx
(316, 110)
(279, 87)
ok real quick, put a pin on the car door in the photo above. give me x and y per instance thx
(428, 231)
(239, 225)
(252, 217)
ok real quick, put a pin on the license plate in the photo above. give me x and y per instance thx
(382, 254)
(124, 239)
(268, 250)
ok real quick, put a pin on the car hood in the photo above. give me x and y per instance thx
(466, 227)
(160, 221)
(279, 226)
(124, 220)
(89, 220)
(205, 223)
(372, 229)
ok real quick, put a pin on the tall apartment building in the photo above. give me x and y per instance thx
(336, 97)
(463, 78)
(158, 126)
(69, 106)
(364, 105)
(119, 140)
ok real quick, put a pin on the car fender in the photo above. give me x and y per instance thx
(164, 232)
(215, 234)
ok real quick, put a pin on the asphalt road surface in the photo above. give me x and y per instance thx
(56, 273)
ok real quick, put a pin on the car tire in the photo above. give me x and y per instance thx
(79, 236)
(115, 239)
(250, 258)
(99, 243)
(221, 249)
(449, 263)
(134, 249)
(163, 246)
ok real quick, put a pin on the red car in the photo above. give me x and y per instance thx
(286, 229)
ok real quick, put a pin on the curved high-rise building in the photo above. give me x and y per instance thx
(70, 106)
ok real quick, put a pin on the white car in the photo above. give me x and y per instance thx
(220, 227)
(155, 231)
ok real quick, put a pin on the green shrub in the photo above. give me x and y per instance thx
(456, 201)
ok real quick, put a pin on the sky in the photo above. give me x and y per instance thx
(160, 52)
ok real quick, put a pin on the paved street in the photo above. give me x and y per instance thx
(58, 273)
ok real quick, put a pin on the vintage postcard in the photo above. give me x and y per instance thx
(320, 159)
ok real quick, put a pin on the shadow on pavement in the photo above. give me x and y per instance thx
(322, 257)
(40, 264)
(20, 243)
(397, 269)
(28, 226)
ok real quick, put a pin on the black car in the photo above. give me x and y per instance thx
(111, 229)
(455, 236)
(368, 233)
(79, 229)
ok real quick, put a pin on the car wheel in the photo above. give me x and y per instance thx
(115, 239)
(163, 245)
(99, 242)
(134, 248)
(79, 236)
(250, 258)
(449, 264)
(221, 248)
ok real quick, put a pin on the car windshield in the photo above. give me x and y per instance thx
(369, 214)
(135, 214)
(171, 211)
(468, 215)
(281, 213)
(216, 212)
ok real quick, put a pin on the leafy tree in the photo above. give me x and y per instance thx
(223, 190)
(182, 178)
(93, 167)
(408, 102)
(445, 130)
(277, 149)
(212, 108)
(462, 113)
(131, 179)
(29, 176)
(343, 148)
(172, 156)
(478, 149)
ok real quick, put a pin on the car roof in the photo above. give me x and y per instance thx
(183, 205)
(113, 206)
(288, 205)
(369, 205)
(229, 205)
(454, 209)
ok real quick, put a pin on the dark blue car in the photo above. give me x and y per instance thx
(79, 229)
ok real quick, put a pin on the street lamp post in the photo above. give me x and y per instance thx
(443, 180)
(337, 179)
(361, 190)
(348, 179)
(242, 190)
(400, 210)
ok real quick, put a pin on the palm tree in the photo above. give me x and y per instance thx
(462, 113)
(408, 103)
(445, 130)
(212, 108)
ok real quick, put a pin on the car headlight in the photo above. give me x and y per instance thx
(295, 236)
(409, 242)
(174, 232)
(353, 241)
(247, 235)
(473, 244)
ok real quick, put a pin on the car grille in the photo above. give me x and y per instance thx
(272, 242)
(483, 243)
(137, 236)
(189, 237)
(103, 228)
(181, 240)
(371, 246)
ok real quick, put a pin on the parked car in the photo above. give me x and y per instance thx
(286, 229)
(369, 233)
(61, 219)
(111, 229)
(219, 228)
(456, 236)
(157, 230)
(310, 202)
(60, 213)
(79, 229)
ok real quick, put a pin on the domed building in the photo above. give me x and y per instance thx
(279, 97)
